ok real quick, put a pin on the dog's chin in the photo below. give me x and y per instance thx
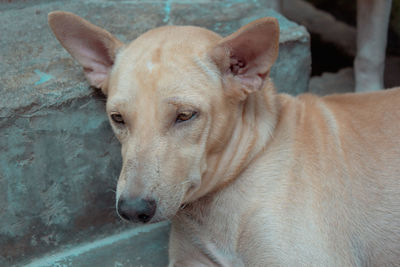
(167, 212)
(161, 217)
(168, 208)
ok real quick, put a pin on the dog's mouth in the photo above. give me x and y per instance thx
(160, 203)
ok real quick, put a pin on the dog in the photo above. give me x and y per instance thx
(247, 176)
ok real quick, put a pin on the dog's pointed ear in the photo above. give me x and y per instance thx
(93, 47)
(246, 56)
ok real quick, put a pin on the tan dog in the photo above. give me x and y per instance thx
(248, 177)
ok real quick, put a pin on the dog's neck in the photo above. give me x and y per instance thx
(253, 128)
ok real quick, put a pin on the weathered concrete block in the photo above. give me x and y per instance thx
(59, 160)
(145, 246)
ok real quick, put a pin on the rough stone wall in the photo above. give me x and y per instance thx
(59, 160)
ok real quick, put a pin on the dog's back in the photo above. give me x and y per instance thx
(371, 146)
(343, 154)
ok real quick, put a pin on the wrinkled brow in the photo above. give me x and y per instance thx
(181, 101)
(118, 103)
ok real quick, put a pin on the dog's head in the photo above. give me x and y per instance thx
(172, 99)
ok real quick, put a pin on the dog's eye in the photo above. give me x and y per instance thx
(185, 116)
(117, 118)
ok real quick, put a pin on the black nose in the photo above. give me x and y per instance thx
(137, 209)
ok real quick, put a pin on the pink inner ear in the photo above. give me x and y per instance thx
(94, 48)
(96, 64)
(90, 52)
(236, 65)
(252, 51)
(96, 74)
(95, 52)
(248, 73)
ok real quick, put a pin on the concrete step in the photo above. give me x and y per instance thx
(138, 247)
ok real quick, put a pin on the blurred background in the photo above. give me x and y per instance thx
(59, 160)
